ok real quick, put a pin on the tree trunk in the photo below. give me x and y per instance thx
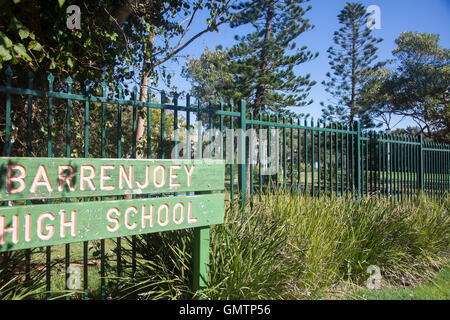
(261, 87)
(143, 97)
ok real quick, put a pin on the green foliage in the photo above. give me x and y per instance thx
(260, 68)
(352, 61)
(292, 246)
(418, 87)
(210, 76)
(15, 282)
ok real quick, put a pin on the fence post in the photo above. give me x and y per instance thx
(357, 128)
(200, 256)
(242, 154)
(421, 160)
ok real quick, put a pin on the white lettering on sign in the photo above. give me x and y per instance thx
(49, 227)
(69, 179)
(65, 178)
(104, 176)
(13, 229)
(41, 179)
(87, 178)
(164, 214)
(19, 178)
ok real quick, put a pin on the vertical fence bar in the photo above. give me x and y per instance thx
(284, 152)
(211, 126)
(69, 82)
(163, 123)
(358, 159)
(347, 158)
(426, 170)
(312, 156)
(440, 169)
(371, 161)
(406, 167)
(332, 134)
(269, 140)
(251, 146)
(299, 156)
(260, 149)
(384, 164)
(336, 158)
(434, 170)
(231, 148)
(325, 169)
(367, 165)
(319, 159)
(394, 165)
(188, 128)
(388, 166)
(342, 160)
(411, 166)
(368, 156)
(403, 167)
(306, 156)
(49, 154)
(103, 155)
(86, 155)
(28, 154)
(149, 124)
(292, 155)
(242, 165)
(380, 170)
(277, 151)
(119, 155)
(7, 151)
(134, 155)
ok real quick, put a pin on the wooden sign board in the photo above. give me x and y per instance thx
(44, 178)
(38, 225)
(23, 227)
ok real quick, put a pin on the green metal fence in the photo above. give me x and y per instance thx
(312, 156)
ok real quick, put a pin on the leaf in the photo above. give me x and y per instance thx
(61, 3)
(23, 33)
(70, 62)
(21, 51)
(4, 54)
(34, 45)
(6, 41)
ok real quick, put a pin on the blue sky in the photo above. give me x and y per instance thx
(397, 16)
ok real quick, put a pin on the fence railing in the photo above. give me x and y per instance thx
(272, 150)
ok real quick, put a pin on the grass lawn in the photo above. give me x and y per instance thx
(436, 289)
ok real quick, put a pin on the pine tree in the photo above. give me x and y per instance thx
(352, 60)
(264, 60)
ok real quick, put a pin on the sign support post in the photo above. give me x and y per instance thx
(201, 259)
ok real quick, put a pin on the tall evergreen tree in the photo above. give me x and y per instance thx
(264, 60)
(352, 60)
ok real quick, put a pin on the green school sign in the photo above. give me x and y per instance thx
(29, 226)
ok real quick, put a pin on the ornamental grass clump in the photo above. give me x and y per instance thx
(288, 245)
